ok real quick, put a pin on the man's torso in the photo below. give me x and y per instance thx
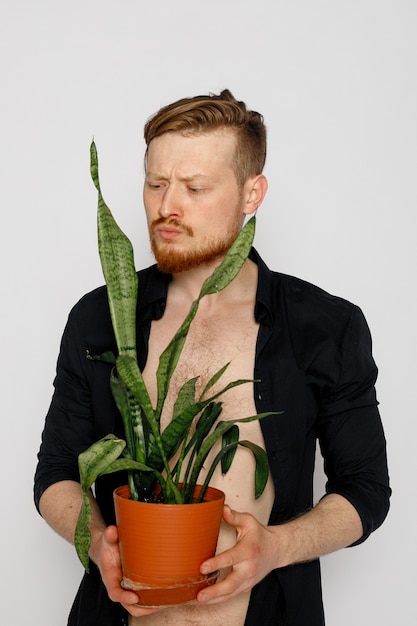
(228, 335)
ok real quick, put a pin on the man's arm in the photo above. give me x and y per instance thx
(333, 524)
(60, 505)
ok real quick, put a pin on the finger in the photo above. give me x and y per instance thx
(242, 522)
(230, 586)
(137, 610)
(221, 561)
(111, 535)
(231, 517)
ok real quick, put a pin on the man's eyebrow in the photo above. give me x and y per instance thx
(191, 177)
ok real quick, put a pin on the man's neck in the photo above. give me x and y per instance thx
(186, 286)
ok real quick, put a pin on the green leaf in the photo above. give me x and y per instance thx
(232, 262)
(222, 276)
(106, 357)
(230, 436)
(116, 255)
(121, 397)
(186, 396)
(137, 433)
(173, 435)
(204, 424)
(262, 466)
(129, 464)
(82, 536)
(129, 372)
(226, 450)
(213, 437)
(169, 358)
(172, 494)
(213, 380)
(93, 461)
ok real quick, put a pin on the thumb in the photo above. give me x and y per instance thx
(111, 535)
(230, 516)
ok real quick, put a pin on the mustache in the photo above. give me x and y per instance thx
(162, 221)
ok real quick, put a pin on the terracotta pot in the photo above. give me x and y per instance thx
(163, 545)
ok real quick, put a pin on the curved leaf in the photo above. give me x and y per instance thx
(169, 358)
(213, 437)
(261, 467)
(230, 436)
(93, 461)
(233, 261)
(222, 276)
(186, 396)
(213, 380)
(82, 535)
(129, 372)
(116, 255)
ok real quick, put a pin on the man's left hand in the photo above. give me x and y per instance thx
(250, 560)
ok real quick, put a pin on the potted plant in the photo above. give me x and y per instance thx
(147, 451)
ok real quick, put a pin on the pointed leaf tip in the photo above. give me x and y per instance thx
(94, 165)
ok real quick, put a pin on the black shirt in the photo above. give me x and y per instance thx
(314, 364)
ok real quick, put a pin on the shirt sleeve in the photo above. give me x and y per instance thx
(69, 424)
(350, 432)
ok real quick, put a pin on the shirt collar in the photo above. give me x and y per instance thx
(153, 290)
(263, 305)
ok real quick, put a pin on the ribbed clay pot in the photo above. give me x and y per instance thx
(162, 546)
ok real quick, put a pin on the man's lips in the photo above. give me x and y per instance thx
(168, 232)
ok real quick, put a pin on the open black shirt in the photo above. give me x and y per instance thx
(314, 363)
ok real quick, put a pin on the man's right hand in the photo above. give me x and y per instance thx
(106, 555)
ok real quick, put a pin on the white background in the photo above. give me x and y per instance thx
(336, 82)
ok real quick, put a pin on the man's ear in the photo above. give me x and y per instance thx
(255, 190)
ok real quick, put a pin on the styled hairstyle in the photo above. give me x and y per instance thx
(202, 114)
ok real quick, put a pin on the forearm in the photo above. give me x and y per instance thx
(331, 525)
(60, 505)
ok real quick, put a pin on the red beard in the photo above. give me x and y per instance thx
(173, 261)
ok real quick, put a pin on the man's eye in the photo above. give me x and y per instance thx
(196, 189)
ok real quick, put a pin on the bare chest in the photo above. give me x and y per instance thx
(210, 344)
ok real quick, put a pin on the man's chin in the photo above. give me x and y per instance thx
(172, 261)
(178, 265)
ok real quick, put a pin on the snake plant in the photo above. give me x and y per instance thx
(147, 451)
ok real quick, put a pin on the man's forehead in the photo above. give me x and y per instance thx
(196, 154)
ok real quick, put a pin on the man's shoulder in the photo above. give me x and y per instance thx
(279, 289)
(89, 320)
(97, 298)
(310, 305)
(308, 311)
(302, 291)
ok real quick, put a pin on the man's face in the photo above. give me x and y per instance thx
(193, 203)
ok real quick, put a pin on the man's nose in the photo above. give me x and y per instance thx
(171, 205)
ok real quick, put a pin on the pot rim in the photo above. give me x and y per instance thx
(212, 494)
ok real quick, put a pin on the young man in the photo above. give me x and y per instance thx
(310, 352)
